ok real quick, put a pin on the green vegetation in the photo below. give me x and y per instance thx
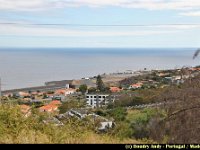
(180, 124)
(119, 113)
(92, 90)
(142, 121)
(139, 97)
(175, 121)
(16, 128)
(151, 80)
(83, 88)
(66, 106)
(126, 100)
(100, 85)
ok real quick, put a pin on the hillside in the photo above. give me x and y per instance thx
(16, 128)
(181, 125)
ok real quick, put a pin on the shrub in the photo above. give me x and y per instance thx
(119, 113)
(143, 122)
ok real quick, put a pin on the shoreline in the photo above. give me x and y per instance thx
(107, 78)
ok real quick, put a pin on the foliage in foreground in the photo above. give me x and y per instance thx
(16, 128)
(183, 109)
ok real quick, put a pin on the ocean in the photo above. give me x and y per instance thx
(27, 67)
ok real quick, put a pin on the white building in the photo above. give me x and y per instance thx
(103, 99)
(69, 91)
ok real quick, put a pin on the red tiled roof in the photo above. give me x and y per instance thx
(55, 102)
(115, 89)
(51, 106)
(70, 89)
(24, 94)
(137, 85)
(60, 91)
(48, 108)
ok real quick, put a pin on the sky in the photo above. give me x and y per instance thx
(100, 23)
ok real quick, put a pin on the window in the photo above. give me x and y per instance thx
(90, 102)
(95, 96)
(104, 96)
(91, 96)
(99, 96)
(87, 96)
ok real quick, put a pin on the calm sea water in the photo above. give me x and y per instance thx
(32, 67)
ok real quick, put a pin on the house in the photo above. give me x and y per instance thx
(59, 92)
(24, 94)
(34, 93)
(51, 107)
(65, 92)
(58, 97)
(48, 108)
(50, 95)
(40, 93)
(136, 86)
(55, 102)
(99, 100)
(69, 91)
(162, 74)
(177, 77)
(115, 89)
(195, 69)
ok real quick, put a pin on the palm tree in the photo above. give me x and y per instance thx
(196, 53)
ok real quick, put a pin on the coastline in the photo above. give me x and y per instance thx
(110, 77)
(31, 67)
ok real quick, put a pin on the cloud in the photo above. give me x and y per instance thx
(10, 30)
(191, 13)
(30, 5)
(179, 26)
(23, 4)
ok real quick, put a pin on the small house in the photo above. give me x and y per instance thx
(115, 89)
(136, 86)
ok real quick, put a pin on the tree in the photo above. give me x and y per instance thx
(119, 113)
(69, 105)
(83, 88)
(92, 90)
(45, 96)
(100, 84)
(182, 107)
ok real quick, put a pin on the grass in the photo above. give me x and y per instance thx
(16, 128)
